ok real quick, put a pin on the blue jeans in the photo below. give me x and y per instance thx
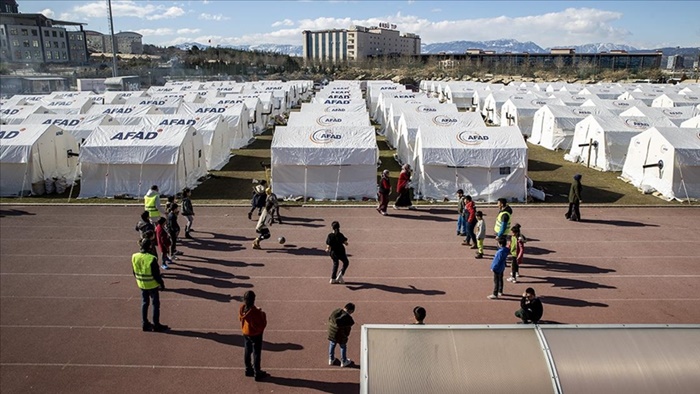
(253, 347)
(471, 236)
(343, 351)
(146, 296)
(461, 224)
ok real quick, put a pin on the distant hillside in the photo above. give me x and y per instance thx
(291, 50)
(500, 46)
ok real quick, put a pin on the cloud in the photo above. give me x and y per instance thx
(126, 8)
(213, 17)
(170, 13)
(286, 22)
(48, 12)
(572, 26)
(436, 10)
(164, 31)
(188, 31)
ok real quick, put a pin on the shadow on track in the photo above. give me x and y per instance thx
(618, 223)
(14, 212)
(572, 302)
(235, 340)
(564, 283)
(301, 222)
(324, 387)
(391, 289)
(565, 267)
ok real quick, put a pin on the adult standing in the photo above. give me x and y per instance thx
(461, 213)
(340, 324)
(384, 190)
(144, 266)
(187, 211)
(151, 203)
(502, 224)
(335, 246)
(253, 322)
(470, 209)
(403, 188)
(574, 214)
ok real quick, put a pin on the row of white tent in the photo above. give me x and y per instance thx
(449, 149)
(601, 126)
(328, 149)
(121, 149)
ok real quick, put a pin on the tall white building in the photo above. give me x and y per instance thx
(358, 43)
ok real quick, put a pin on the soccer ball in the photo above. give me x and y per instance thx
(281, 240)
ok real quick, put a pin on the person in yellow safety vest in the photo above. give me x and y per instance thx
(505, 214)
(148, 279)
(152, 204)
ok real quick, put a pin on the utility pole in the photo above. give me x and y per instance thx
(114, 39)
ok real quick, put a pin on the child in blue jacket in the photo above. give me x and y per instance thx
(497, 267)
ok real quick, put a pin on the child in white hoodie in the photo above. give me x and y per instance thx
(480, 231)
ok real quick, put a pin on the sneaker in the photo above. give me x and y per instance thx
(394, 206)
(500, 294)
(249, 373)
(346, 363)
(164, 266)
(260, 375)
(515, 280)
(333, 282)
(510, 279)
(479, 256)
(492, 297)
(331, 361)
(383, 213)
(256, 244)
(340, 279)
(178, 253)
(160, 328)
(147, 327)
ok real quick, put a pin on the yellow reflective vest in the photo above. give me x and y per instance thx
(150, 206)
(141, 264)
(499, 223)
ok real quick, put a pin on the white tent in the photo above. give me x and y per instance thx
(677, 115)
(239, 131)
(80, 126)
(676, 100)
(256, 113)
(666, 160)
(17, 114)
(553, 126)
(429, 122)
(610, 138)
(604, 92)
(646, 97)
(69, 106)
(119, 111)
(692, 123)
(168, 105)
(493, 104)
(569, 99)
(397, 108)
(325, 163)
(34, 156)
(127, 160)
(120, 97)
(614, 106)
(486, 162)
(212, 128)
(521, 112)
(356, 106)
(323, 119)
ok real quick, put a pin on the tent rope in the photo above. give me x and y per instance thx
(106, 180)
(337, 182)
(138, 196)
(305, 178)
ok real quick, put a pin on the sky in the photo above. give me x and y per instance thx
(642, 24)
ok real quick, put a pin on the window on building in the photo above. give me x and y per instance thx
(48, 55)
(25, 43)
(56, 55)
(18, 54)
(47, 44)
(35, 32)
(15, 43)
(46, 33)
(53, 33)
(2, 31)
(64, 56)
(27, 55)
(35, 43)
(504, 170)
(37, 54)
(63, 44)
(55, 44)
(13, 31)
(60, 33)
(25, 32)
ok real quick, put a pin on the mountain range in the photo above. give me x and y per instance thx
(500, 46)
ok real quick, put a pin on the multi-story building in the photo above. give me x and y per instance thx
(34, 38)
(127, 42)
(358, 43)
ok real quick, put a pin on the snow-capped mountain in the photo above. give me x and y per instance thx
(291, 50)
(603, 47)
(500, 46)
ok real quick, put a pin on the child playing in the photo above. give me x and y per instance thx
(497, 267)
(173, 228)
(261, 228)
(480, 231)
(517, 249)
(163, 242)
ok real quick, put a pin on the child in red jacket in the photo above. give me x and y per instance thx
(163, 242)
(253, 323)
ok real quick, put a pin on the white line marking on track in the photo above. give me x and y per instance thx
(463, 301)
(335, 370)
